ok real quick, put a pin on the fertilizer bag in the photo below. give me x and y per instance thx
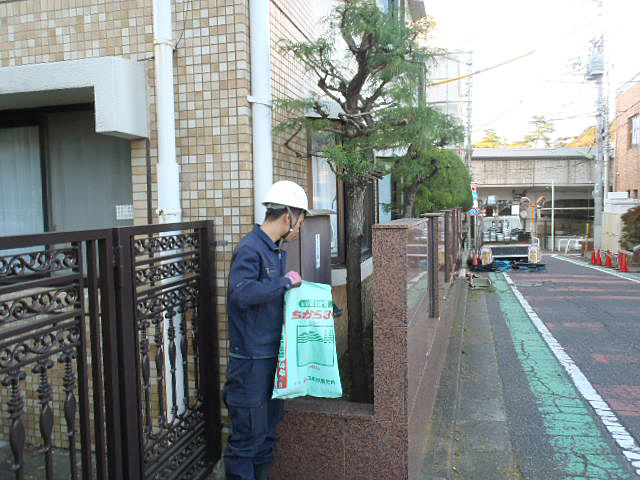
(307, 359)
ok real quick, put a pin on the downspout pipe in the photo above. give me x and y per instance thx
(260, 99)
(168, 169)
(169, 210)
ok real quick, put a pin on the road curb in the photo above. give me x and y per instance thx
(440, 443)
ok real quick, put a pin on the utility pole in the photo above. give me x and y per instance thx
(468, 147)
(606, 134)
(468, 151)
(595, 72)
(597, 186)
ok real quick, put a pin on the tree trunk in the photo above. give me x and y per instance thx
(409, 201)
(355, 224)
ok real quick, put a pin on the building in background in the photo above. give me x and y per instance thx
(505, 175)
(626, 169)
(627, 142)
(449, 89)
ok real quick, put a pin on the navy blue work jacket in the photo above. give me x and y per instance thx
(255, 296)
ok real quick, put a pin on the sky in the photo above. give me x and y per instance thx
(545, 82)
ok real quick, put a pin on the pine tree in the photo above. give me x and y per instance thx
(429, 133)
(373, 82)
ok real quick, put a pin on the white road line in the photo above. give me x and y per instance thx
(417, 278)
(619, 433)
(615, 273)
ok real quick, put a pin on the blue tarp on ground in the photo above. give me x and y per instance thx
(505, 265)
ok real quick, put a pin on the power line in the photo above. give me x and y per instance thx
(552, 42)
(560, 119)
(434, 84)
(499, 116)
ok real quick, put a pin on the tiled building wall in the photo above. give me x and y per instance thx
(627, 158)
(212, 82)
(211, 73)
(299, 21)
(213, 137)
(41, 31)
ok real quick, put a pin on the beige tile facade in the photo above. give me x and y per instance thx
(627, 158)
(297, 20)
(212, 82)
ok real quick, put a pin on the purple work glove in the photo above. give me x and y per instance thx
(294, 278)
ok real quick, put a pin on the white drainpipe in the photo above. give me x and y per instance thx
(169, 210)
(168, 169)
(261, 101)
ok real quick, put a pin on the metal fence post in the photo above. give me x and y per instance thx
(208, 343)
(108, 325)
(433, 263)
(447, 244)
(128, 361)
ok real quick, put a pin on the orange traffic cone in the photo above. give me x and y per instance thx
(609, 257)
(593, 257)
(619, 261)
(475, 258)
(624, 267)
(598, 257)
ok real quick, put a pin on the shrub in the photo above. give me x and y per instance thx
(631, 229)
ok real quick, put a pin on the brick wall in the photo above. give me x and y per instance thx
(627, 158)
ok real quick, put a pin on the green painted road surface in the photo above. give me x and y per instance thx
(580, 448)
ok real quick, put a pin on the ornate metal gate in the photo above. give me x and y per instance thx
(108, 360)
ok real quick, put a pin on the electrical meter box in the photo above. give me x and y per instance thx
(310, 253)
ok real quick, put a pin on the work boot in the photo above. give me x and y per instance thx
(262, 471)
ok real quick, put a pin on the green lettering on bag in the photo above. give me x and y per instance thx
(316, 303)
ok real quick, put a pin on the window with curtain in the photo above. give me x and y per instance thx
(325, 186)
(635, 131)
(369, 220)
(328, 194)
(21, 209)
(57, 173)
(384, 199)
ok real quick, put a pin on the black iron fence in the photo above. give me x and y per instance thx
(108, 363)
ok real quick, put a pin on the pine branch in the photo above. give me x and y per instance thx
(288, 146)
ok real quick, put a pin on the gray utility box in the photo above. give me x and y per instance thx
(310, 253)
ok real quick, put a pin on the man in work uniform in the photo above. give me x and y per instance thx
(255, 302)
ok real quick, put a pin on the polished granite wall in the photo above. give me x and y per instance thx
(321, 439)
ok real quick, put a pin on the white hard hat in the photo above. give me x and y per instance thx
(288, 194)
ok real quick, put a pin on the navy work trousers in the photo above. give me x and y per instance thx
(254, 416)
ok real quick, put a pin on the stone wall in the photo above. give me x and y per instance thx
(336, 439)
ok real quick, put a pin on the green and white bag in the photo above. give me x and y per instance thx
(307, 361)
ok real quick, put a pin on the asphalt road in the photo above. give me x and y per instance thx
(595, 317)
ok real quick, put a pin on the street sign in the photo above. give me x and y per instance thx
(474, 194)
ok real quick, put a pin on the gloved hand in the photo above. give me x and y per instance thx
(295, 278)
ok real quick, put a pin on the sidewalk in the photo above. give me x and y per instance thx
(469, 435)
